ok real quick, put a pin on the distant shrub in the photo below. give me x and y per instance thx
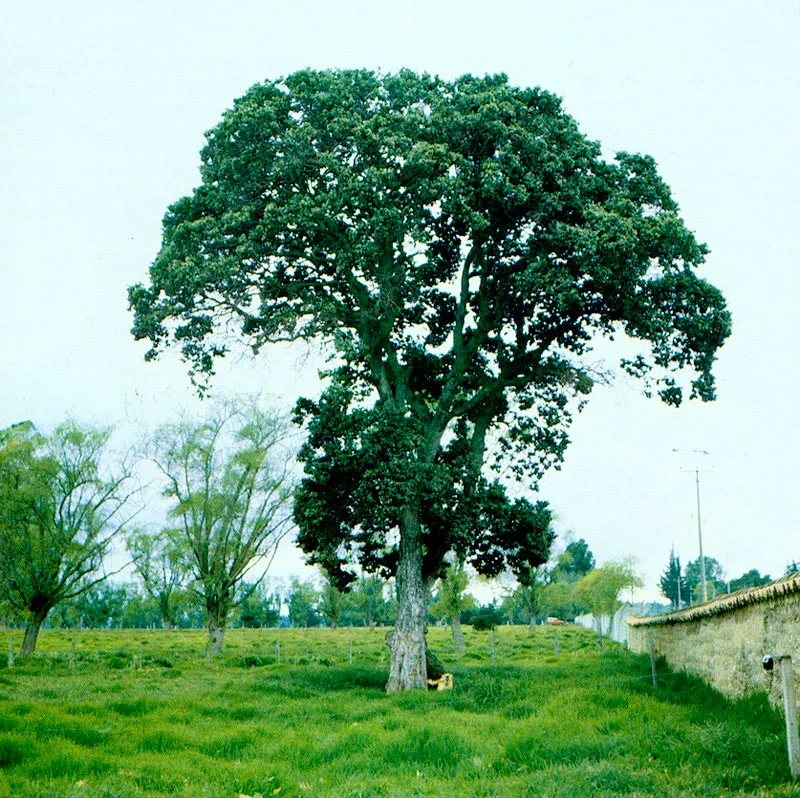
(485, 619)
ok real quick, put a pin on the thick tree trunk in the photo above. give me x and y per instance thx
(166, 611)
(458, 635)
(216, 633)
(408, 670)
(31, 635)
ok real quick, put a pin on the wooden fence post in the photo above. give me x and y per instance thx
(72, 654)
(277, 653)
(790, 712)
(349, 650)
(10, 652)
(491, 645)
(555, 643)
(653, 659)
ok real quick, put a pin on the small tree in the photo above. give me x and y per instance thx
(102, 606)
(161, 560)
(693, 574)
(452, 600)
(673, 585)
(258, 609)
(230, 482)
(59, 511)
(303, 599)
(366, 596)
(486, 617)
(331, 603)
(558, 601)
(600, 589)
(529, 591)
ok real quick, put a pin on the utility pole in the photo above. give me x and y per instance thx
(700, 538)
(699, 523)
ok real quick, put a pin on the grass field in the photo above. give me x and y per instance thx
(131, 713)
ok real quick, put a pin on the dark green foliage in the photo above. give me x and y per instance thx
(575, 562)
(485, 618)
(673, 584)
(302, 600)
(751, 579)
(258, 610)
(459, 245)
(715, 585)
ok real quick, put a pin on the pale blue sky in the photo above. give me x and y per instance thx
(104, 109)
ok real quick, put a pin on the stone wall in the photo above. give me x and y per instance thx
(724, 641)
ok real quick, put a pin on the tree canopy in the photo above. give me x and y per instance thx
(457, 246)
(575, 562)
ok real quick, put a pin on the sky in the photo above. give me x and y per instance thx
(105, 106)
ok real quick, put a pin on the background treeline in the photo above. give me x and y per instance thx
(683, 587)
(226, 486)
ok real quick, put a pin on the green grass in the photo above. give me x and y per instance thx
(113, 714)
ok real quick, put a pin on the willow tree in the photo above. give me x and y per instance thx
(60, 509)
(457, 247)
(230, 484)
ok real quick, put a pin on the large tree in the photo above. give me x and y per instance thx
(60, 508)
(457, 246)
(229, 479)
